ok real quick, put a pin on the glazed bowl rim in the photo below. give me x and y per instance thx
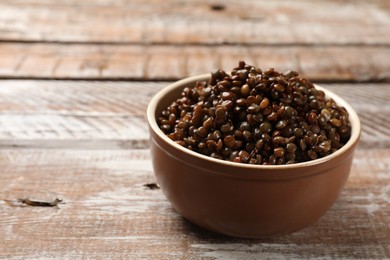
(153, 126)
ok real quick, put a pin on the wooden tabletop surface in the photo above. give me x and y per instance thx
(75, 80)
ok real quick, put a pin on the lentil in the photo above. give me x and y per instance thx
(256, 117)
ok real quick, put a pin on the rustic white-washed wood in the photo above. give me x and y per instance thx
(279, 22)
(55, 114)
(109, 213)
(92, 61)
(85, 142)
(100, 98)
(95, 114)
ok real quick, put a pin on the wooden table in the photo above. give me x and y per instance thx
(76, 77)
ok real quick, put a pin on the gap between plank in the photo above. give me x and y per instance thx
(195, 44)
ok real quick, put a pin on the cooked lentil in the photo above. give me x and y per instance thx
(256, 117)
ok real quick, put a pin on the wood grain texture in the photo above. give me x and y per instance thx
(94, 114)
(109, 213)
(183, 22)
(91, 61)
(74, 114)
(85, 140)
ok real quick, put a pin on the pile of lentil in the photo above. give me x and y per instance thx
(256, 117)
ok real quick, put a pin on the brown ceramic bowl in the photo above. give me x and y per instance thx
(245, 200)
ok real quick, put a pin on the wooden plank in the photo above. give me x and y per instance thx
(73, 132)
(75, 115)
(80, 61)
(55, 97)
(248, 22)
(109, 213)
(94, 114)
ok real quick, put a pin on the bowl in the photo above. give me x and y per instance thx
(243, 200)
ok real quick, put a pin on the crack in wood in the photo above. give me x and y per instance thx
(217, 7)
(23, 202)
(152, 186)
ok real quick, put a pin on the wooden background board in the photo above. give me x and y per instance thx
(147, 40)
(167, 62)
(75, 81)
(109, 213)
(94, 114)
(108, 210)
(197, 22)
